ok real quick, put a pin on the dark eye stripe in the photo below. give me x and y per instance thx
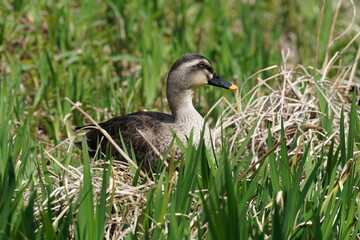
(207, 67)
(210, 69)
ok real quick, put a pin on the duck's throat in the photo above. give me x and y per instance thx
(181, 105)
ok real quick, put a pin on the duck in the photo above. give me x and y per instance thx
(149, 134)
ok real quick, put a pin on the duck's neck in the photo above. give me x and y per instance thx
(181, 105)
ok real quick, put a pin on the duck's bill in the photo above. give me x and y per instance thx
(219, 82)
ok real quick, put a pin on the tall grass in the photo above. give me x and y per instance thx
(112, 57)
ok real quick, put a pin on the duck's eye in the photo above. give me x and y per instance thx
(202, 65)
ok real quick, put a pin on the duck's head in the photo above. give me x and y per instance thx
(193, 70)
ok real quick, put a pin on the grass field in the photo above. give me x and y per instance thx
(286, 164)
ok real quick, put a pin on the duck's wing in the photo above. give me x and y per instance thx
(130, 128)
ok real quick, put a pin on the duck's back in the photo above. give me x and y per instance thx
(136, 130)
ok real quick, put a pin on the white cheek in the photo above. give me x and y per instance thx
(205, 77)
(210, 76)
(201, 79)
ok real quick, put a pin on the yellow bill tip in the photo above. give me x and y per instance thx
(233, 87)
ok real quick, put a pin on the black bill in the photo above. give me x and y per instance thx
(219, 82)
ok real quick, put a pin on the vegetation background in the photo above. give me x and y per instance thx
(111, 57)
